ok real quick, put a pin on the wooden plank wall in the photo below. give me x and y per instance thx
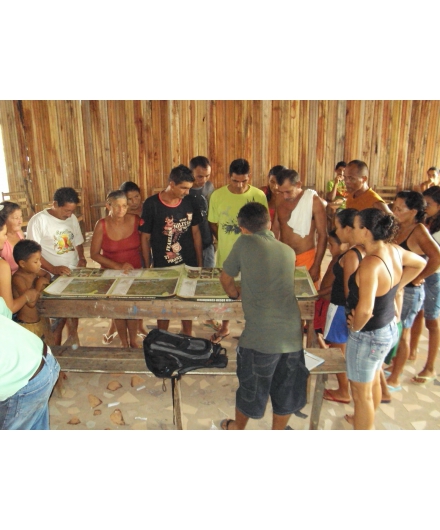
(96, 145)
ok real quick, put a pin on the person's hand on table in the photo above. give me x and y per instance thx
(61, 270)
(315, 272)
(126, 267)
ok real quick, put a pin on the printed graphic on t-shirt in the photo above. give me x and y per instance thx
(63, 242)
(173, 230)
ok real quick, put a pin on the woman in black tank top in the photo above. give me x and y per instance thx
(336, 331)
(409, 209)
(385, 269)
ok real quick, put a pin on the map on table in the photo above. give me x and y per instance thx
(304, 287)
(195, 283)
(138, 283)
(202, 283)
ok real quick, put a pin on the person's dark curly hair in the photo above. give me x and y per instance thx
(383, 227)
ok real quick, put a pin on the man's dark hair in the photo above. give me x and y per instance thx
(180, 174)
(199, 161)
(239, 167)
(253, 216)
(433, 168)
(287, 174)
(275, 170)
(24, 249)
(129, 186)
(63, 195)
(361, 166)
(340, 164)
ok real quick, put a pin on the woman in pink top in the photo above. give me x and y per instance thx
(12, 212)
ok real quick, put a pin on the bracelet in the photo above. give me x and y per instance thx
(355, 330)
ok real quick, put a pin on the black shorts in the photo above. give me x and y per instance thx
(282, 376)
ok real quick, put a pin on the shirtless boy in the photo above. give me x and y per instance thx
(27, 254)
(308, 252)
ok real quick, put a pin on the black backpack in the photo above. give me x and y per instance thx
(169, 355)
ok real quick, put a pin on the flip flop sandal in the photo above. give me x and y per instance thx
(224, 424)
(217, 337)
(108, 339)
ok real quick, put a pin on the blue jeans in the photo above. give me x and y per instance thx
(432, 296)
(28, 409)
(366, 351)
(209, 256)
(413, 298)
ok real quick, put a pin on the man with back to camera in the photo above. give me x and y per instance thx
(171, 229)
(270, 356)
(58, 232)
(224, 205)
(301, 221)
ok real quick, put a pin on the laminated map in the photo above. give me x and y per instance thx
(194, 283)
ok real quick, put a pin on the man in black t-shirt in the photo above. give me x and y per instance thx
(170, 229)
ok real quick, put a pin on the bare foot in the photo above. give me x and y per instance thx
(336, 395)
(349, 418)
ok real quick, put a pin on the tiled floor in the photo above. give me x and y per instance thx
(127, 401)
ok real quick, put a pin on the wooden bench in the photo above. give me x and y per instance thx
(129, 361)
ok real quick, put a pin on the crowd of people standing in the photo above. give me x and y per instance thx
(382, 284)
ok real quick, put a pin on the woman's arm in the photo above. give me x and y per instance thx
(350, 263)
(368, 280)
(31, 295)
(413, 265)
(422, 239)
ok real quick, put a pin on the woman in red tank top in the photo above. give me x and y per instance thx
(116, 245)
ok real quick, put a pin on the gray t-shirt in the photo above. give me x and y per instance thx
(267, 266)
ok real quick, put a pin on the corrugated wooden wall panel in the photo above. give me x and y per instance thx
(96, 145)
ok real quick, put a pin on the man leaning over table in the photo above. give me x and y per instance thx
(270, 356)
(58, 232)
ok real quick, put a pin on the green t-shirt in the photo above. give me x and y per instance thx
(267, 267)
(223, 210)
(20, 354)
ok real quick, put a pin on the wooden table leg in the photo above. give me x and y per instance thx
(176, 405)
(317, 401)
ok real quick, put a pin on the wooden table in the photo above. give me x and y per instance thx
(162, 309)
(129, 361)
(102, 359)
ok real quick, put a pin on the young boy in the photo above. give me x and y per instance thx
(321, 305)
(27, 254)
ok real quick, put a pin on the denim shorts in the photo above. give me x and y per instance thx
(366, 351)
(413, 298)
(432, 296)
(282, 376)
(29, 407)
